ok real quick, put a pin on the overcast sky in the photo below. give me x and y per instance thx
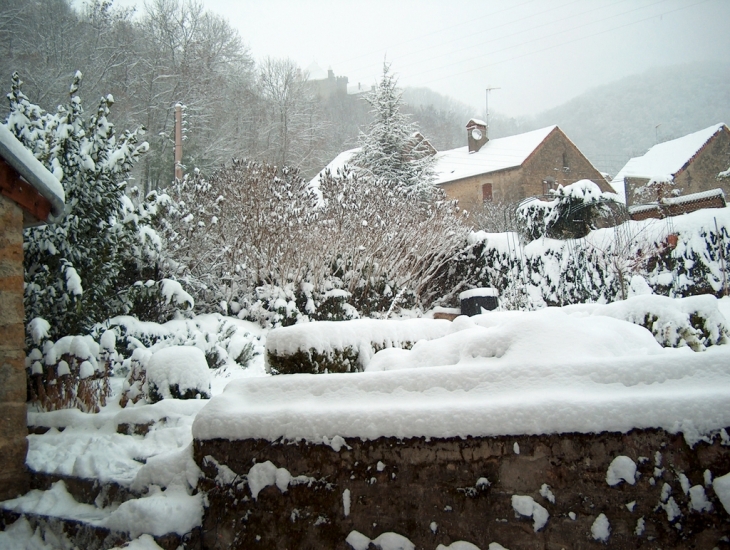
(539, 53)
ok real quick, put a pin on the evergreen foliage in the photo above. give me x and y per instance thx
(73, 268)
(392, 150)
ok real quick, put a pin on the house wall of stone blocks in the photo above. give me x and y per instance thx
(556, 158)
(13, 425)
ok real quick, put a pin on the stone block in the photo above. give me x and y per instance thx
(14, 478)
(13, 421)
(11, 308)
(12, 379)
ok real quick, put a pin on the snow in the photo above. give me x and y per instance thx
(460, 545)
(360, 334)
(721, 486)
(385, 541)
(526, 506)
(698, 499)
(31, 169)
(622, 468)
(601, 529)
(496, 154)
(346, 502)
(497, 374)
(664, 159)
(475, 292)
(547, 494)
(183, 367)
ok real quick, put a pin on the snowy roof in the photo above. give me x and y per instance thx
(32, 171)
(665, 159)
(338, 163)
(496, 154)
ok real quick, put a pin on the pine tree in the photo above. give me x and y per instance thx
(72, 267)
(392, 151)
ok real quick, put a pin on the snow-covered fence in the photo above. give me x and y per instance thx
(343, 346)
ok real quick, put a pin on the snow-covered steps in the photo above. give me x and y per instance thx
(85, 490)
(171, 517)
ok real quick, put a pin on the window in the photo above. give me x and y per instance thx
(487, 192)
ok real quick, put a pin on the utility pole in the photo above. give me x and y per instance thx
(178, 142)
(489, 89)
(656, 133)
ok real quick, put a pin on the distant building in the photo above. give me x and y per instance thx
(506, 169)
(682, 166)
(326, 84)
(512, 168)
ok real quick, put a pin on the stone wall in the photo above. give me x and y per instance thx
(431, 493)
(13, 430)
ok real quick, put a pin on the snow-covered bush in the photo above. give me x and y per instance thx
(572, 213)
(72, 372)
(76, 269)
(260, 243)
(694, 321)
(178, 372)
(322, 347)
(597, 268)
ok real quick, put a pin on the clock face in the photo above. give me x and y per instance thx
(476, 133)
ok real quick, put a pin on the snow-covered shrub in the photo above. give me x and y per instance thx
(694, 321)
(264, 245)
(77, 270)
(178, 372)
(597, 268)
(345, 346)
(72, 372)
(572, 213)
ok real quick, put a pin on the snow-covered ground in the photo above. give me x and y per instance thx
(581, 368)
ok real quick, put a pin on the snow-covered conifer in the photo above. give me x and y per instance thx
(392, 150)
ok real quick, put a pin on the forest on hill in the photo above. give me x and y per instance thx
(269, 110)
(620, 120)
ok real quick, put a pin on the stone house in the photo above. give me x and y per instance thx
(503, 170)
(512, 168)
(29, 195)
(682, 166)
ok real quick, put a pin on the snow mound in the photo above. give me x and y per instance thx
(526, 506)
(601, 529)
(504, 336)
(386, 541)
(179, 372)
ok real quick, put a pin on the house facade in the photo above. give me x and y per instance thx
(682, 166)
(512, 168)
(29, 195)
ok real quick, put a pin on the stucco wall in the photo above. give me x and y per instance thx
(427, 491)
(13, 430)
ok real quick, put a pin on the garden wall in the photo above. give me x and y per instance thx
(440, 491)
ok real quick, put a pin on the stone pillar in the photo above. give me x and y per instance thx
(13, 420)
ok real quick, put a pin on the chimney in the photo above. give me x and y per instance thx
(476, 134)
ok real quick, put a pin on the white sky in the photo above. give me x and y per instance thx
(540, 53)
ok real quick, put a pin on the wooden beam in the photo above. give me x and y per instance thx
(23, 193)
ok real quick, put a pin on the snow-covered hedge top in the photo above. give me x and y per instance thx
(491, 292)
(499, 374)
(32, 170)
(360, 334)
